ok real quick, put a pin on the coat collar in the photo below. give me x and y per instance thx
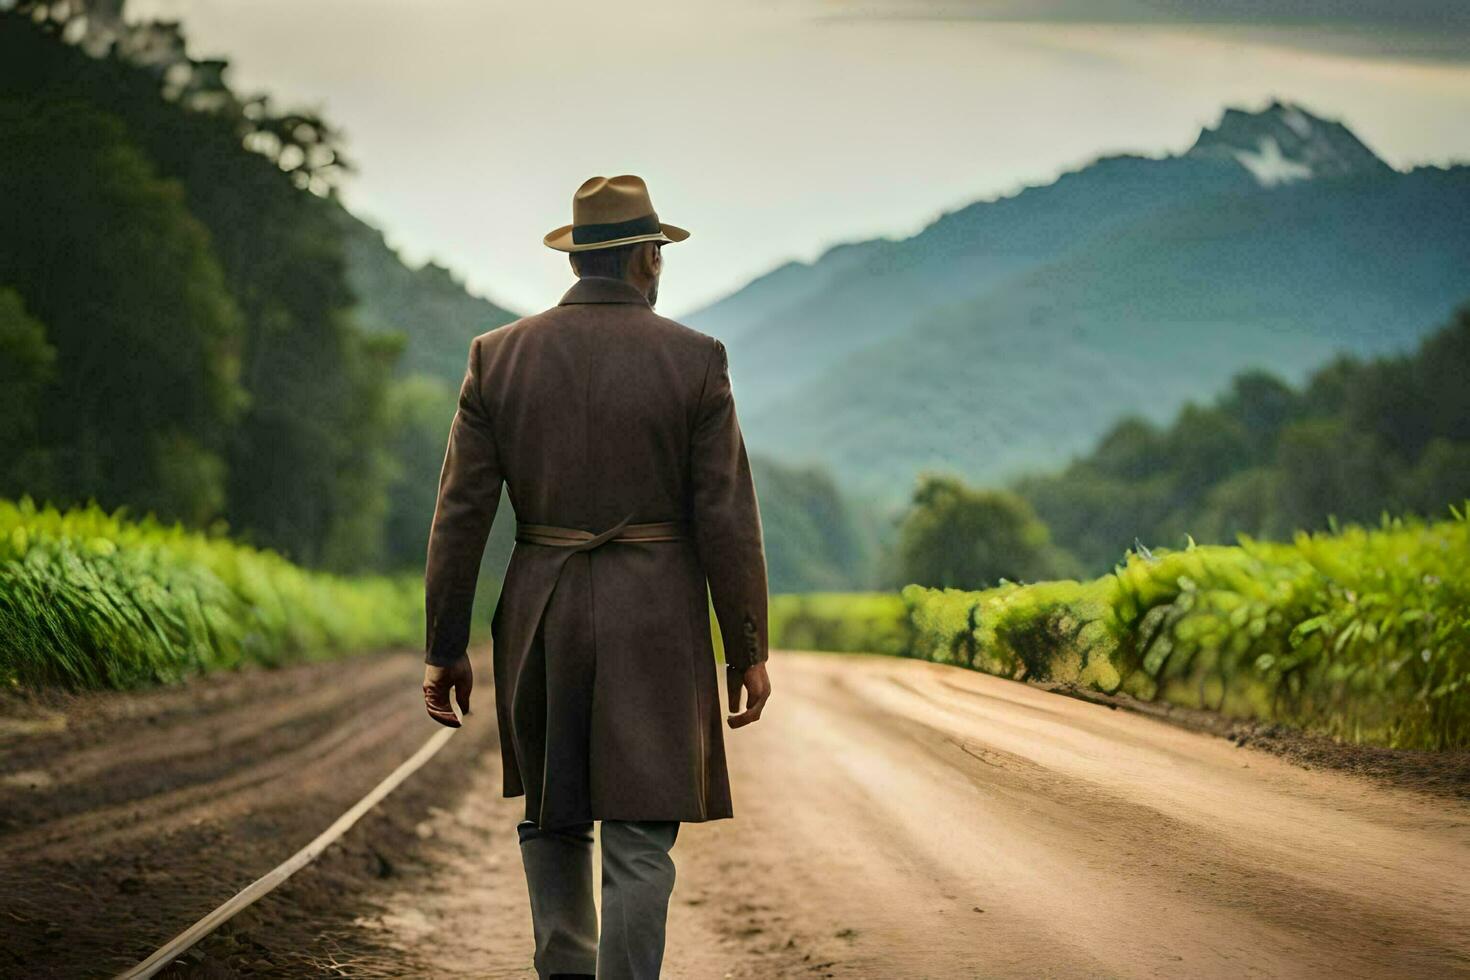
(599, 289)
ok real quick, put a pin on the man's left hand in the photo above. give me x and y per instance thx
(437, 682)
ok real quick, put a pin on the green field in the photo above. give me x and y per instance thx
(1363, 634)
(90, 599)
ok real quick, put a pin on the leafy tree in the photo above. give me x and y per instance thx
(1132, 449)
(1244, 502)
(1440, 372)
(958, 537)
(1387, 405)
(1360, 438)
(1439, 480)
(1328, 469)
(422, 409)
(27, 366)
(1330, 388)
(1098, 517)
(1203, 447)
(303, 468)
(1262, 404)
(146, 336)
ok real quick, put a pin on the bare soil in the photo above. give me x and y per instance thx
(894, 819)
(125, 817)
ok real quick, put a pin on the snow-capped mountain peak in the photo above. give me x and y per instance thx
(1284, 142)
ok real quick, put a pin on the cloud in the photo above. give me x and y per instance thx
(1436, 30)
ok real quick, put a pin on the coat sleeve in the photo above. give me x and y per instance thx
(469, 491)
(727, 520)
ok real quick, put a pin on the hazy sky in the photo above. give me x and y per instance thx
(774, 129)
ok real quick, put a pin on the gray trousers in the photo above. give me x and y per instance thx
(637, 879)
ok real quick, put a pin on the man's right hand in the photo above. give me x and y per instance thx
(438, 681)
(757, 686)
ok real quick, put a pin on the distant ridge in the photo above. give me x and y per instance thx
(432, 309)
(1010, 333)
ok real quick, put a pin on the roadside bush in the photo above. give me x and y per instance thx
(1362, 634)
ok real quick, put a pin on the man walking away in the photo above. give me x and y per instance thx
(614, 430)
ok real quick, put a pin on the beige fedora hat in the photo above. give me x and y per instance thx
(609, 211)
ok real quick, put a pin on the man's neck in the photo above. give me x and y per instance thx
(641, 287)
(604, 289)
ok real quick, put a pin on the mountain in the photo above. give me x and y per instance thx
(1010, 334)
(432, 309)
(1285, 143)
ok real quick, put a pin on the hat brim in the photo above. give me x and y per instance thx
(561, 239)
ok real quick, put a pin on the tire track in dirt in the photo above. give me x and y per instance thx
(231, 794)
(177, 738)
(186, 795)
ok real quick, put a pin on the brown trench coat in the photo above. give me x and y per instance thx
(595, 411)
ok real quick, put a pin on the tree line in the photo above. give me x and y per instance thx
(177, 329)
(1358, 439)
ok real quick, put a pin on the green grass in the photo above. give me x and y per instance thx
(90, 599)
(1362, 634)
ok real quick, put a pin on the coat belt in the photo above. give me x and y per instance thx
(579, 540)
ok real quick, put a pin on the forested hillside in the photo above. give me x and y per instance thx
(1008, 335)
(206, 363)
(816, 537)
(437, 318)
(428, 306)
(1358, 439)
(194, 327)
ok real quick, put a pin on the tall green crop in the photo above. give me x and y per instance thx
(91, 599)
(1363, 634)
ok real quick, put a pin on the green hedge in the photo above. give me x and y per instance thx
(1362, 634)
(90, 599)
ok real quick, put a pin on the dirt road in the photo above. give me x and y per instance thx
(895, 819)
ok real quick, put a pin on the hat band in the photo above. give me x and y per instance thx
(614, 230)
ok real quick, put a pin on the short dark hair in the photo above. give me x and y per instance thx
(611, 263)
